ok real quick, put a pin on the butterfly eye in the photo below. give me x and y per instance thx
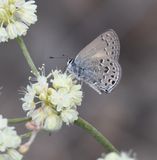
(70, 61)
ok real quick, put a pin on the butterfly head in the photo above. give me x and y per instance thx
(70, 61)
(70, 65)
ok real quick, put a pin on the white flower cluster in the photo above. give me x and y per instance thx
(116, 156)
(9, 141)
(52, 100)
(15, 18)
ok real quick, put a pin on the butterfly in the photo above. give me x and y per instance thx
(97, 64)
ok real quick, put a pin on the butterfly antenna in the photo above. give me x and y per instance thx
(62, 57)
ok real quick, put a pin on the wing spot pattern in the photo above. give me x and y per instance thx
(101, 60)
(113, 82)
(106, 69)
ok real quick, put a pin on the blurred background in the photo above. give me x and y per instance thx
(127, 116)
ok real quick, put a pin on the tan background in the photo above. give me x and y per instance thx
(128, 115)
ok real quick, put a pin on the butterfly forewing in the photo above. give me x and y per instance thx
(107, 42)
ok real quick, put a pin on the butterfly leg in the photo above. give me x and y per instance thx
(97, 90)
(65, 70)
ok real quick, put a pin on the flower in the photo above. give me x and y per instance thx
(3, 122)
(9, 138)
(53, 99)
(116, 156)
(61, 80)
(53, 122)
(76, 95)
(3, 35)
(38, 116)
(14, 155)
(72, 97)
(61, 99)
(9, 141)
(69, 116)
(15, 18)
(28, 99)
(41, 85)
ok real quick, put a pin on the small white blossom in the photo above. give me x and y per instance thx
(14, 155)
(61, 80)
(4, 157)
(15, 18)
(3, 35)
(116, 156)
(3, 122)
(41, 85)
(28, 99)
(9, 141)
(76, 95)
(52, 100)
(53, 122)
(71, 96)
(61, 99)
(27, 11)
(38, 116)
(69, 116)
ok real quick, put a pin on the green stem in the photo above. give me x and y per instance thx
(27, 55)
(96, 134)
(18, 120)
(26, 135)
(84, 125)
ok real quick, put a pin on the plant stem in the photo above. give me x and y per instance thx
(96, 134)
(27, 56)
(18, 120)
(26, 135)
(84, 125)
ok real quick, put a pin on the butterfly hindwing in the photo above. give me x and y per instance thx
(100, 72)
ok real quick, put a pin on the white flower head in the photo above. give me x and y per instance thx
(53, 99)
(9, 141)
(116, 156)
(15, 18)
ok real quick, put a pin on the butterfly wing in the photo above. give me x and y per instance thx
(97, 64)
(100, 72)
(107, 42)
